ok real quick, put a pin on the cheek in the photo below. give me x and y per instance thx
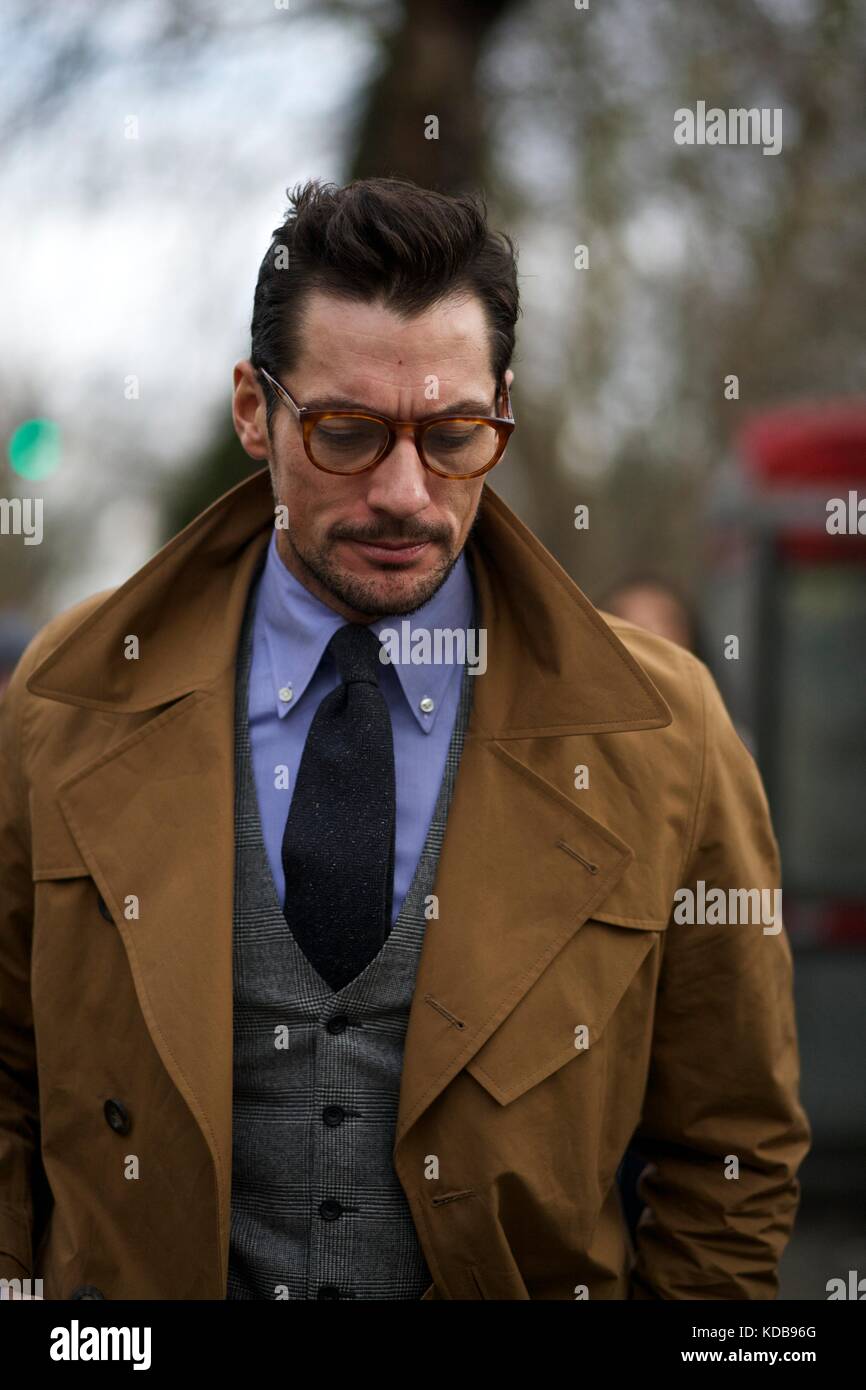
(313, 504)
(294, 487)
(462, 512)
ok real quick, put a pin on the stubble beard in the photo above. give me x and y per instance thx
(367, 596)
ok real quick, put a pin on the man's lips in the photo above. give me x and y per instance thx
(391, 552)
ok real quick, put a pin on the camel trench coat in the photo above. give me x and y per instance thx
(560, 1008)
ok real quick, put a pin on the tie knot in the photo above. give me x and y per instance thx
(356, 652)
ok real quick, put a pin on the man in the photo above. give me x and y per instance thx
(331, 973)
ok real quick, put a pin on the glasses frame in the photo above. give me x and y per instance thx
(308, 419)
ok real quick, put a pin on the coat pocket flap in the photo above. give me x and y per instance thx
(566, 1011)
(616, 919)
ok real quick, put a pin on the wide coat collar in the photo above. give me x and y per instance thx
(150, 810)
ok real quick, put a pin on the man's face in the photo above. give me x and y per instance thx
(367, 356)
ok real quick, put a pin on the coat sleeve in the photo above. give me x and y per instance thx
(19, 1105)
(723, 1083)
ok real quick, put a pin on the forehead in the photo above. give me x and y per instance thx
(353, 341)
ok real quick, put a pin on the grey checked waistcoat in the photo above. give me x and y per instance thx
(317, 1209)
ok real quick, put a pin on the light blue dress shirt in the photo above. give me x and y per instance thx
(290, 675)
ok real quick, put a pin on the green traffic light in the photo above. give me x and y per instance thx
(34, 449)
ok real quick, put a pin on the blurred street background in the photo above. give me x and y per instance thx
(695, 376)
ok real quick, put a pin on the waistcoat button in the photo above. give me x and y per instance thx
(330, 1210)
(328, 1291)
(338, 1024)
(333, 1115)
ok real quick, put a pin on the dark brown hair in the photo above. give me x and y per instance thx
(382, 238)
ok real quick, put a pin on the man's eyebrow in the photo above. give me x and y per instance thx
(468, 406)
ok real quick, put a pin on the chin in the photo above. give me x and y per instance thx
(381, 597)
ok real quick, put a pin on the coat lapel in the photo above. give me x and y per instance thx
(512, 891)
(522, 865)
(152, 813)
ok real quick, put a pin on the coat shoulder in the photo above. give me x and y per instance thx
(32, 717)
(55, 631)
(38, 736)
(680, 677)
(690, 689)
(701, 719)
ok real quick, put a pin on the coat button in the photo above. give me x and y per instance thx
(104, 910)
(338, 1024)
(117, 1116)
(330, 1210)
(333, 1115)
(87, 1291)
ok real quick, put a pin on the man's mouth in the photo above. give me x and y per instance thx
(390, 552)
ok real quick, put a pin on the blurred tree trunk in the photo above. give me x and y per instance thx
(430, 68)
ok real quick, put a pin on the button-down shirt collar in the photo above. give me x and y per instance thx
(298, 627)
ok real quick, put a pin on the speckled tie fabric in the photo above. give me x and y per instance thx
(338, 844)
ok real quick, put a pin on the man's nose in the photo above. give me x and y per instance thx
(399, 483)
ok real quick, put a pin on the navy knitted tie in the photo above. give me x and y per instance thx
(338, 844)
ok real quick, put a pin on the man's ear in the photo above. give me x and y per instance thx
(509, 377)
(249, 413)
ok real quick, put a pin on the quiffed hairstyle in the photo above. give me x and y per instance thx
(382, 238)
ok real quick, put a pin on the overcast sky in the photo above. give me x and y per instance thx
(139, 256)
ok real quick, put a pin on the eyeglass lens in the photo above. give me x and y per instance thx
(351, 442)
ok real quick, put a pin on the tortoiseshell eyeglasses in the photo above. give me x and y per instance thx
(351, 441)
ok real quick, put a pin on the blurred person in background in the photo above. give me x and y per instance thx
(654, 604)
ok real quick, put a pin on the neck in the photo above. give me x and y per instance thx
(296, 566)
